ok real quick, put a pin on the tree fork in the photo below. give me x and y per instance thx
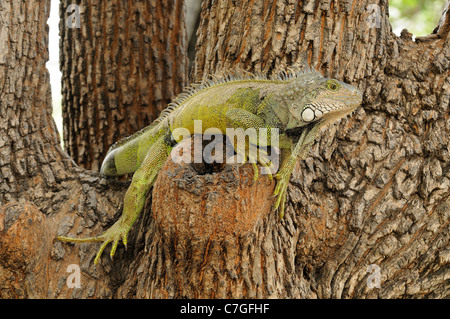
(345, 213)
(374, 191)
(212, 238)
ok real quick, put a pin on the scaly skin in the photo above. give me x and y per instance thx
(298, 104)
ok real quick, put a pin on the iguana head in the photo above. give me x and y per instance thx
(317, 99)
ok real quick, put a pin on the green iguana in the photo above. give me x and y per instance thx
(297, 103)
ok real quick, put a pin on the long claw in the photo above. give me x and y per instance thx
(277, 203)
(280, 193)
(81, 240)
(255, 171)
(266, 168)
(124, 240)
(281, 211)
(100, 251)
(280, 206)
(277, 189)
(114, 247)
(269, 169)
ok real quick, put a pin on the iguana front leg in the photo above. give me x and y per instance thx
(288, 159)
(134, 200)
(243, 119)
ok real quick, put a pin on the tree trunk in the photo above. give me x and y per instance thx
(368, 210)
(121, 67)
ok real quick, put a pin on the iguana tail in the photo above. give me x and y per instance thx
(127, 155)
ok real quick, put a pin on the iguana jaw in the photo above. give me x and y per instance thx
(327, 118)
(325, 112)
(337, 114)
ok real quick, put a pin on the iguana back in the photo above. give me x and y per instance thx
(207, 101)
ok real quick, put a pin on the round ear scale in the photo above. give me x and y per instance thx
(308, 114)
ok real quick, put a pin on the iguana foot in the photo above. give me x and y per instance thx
(116, 232)
(280, 192)
(262, 158)
(266, 163)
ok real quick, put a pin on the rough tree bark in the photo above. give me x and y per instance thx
(374, 190)
(41, 188)
(369, 209)
(121, 68)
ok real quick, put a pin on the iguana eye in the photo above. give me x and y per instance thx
(332, 86)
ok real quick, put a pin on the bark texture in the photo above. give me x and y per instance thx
(369, 209)
(39, 183)
(375, 189)
(372, 201)
(121, 67)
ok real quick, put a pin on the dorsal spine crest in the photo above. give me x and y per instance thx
(217, 79)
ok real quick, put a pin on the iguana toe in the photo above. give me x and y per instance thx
(114, 234)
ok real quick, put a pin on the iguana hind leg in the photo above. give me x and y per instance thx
(134, 200)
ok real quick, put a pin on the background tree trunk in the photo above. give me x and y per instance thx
(370, 202)
(120, 69)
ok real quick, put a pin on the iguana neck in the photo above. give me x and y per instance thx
(276, 113)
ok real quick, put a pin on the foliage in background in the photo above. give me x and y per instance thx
(420, 17)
